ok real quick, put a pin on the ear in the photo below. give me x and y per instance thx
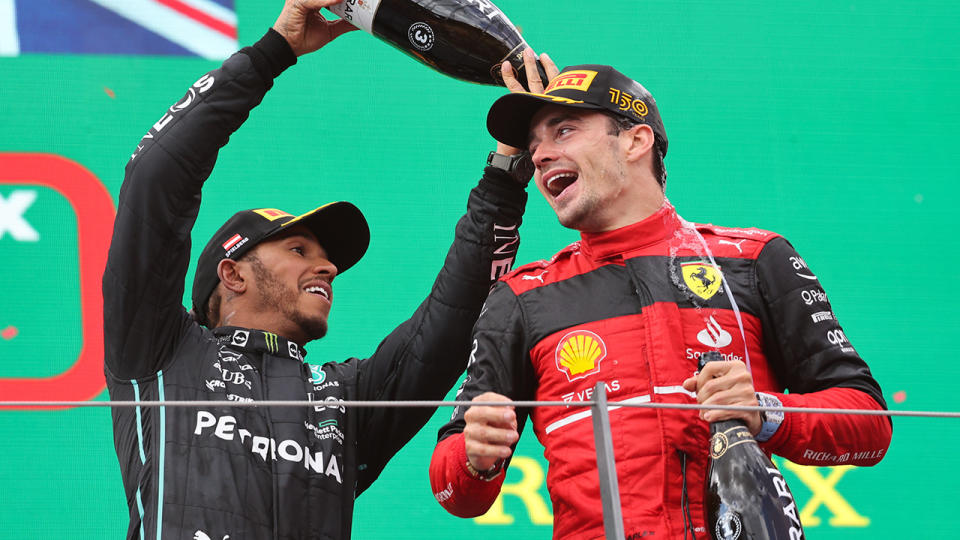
(229, 272)
(638, 141)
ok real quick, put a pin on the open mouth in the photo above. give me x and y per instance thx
(318, 290)
(558, 183)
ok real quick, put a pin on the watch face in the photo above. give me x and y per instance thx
(519, 166)
(775, 416)
(525, 165)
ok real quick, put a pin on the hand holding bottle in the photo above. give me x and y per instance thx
(305, 29)
(745, 496)
(512, 82)
(725, 383)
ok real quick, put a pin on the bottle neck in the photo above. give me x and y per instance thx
(727, 425)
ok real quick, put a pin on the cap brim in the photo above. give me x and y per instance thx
(341, 230)
(510, 116)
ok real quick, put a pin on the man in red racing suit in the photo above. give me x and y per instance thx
(634, 304)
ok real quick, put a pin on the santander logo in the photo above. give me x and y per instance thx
(714, 335)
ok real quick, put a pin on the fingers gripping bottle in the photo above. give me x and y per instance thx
(465, 39)
(745, 495)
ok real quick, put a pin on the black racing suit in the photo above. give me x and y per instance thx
(282, 472)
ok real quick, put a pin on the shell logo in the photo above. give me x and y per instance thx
(579, 354)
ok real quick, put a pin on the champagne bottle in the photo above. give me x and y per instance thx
(465, 39)
(745, 495)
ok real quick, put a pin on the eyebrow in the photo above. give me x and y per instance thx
(554, 120)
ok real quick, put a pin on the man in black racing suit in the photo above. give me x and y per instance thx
(266, 472)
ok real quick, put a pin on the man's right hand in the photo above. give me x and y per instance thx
(490, 432)
(533, 79)
(305, 29)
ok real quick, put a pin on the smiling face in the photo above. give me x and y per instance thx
(589, 172)
(290, 292)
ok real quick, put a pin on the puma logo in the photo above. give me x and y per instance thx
(531, 278)
(734, 244)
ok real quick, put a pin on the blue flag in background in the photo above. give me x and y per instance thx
(205, 28)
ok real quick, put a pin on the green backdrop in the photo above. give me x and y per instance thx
(833, 123)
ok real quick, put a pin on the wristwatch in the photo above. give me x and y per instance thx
(519, 166)
(771, 418)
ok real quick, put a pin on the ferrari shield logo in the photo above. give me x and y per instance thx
(702, 278)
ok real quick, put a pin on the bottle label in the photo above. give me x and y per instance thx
(360, 13)
(728, 526)
(723, 440)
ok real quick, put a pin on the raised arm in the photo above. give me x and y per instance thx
(160, 197)
(423, 358)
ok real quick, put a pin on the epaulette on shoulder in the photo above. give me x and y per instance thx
(734, 241)
(751, 233)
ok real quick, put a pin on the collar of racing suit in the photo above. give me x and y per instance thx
(660, 226)
(247, 339)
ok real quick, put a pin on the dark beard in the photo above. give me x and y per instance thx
(274, 294)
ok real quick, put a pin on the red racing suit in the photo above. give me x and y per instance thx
(635, 308)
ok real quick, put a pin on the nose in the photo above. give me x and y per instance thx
(325, 268)
(543, 154)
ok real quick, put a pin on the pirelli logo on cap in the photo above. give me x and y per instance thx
(272, 213)
(572, 80)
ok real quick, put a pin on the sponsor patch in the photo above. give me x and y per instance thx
(240, 338)
(272, 341)
(317, 375)
(272, 213)
(626, 102)
(702, 278)
(821, 316)
(579, 354)
(714, 335)
(572, 80)
(812, 296)
(232, 241)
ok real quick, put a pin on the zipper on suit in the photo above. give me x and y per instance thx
(273, 462)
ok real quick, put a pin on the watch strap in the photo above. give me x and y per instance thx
(519, 166)
(772, 419)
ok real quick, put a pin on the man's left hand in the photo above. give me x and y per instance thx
(726, 383)
(533, 80)
(305, 29)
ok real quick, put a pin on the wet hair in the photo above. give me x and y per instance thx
(619, 123)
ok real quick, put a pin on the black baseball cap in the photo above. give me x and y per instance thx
(588, 86)
(339, 227)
